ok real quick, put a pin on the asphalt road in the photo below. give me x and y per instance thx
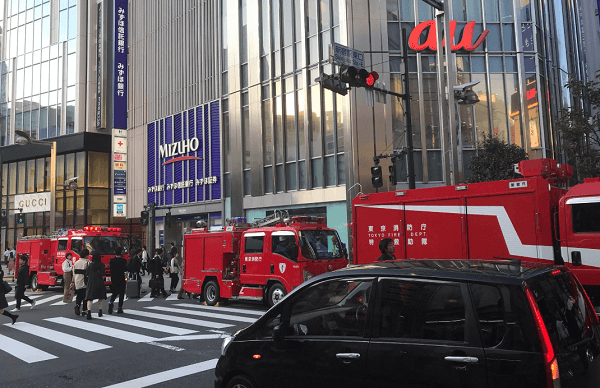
(158, 342)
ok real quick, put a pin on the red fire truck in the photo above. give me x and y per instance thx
(47, 253)
(262, 261)
(534, 218)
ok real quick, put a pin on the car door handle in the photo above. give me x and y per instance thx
(468, 360)
(351, 356)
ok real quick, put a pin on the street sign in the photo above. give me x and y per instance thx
(342, 55)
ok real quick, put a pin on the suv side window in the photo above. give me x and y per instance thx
(489, 306)
(332, 308)
(421, 310)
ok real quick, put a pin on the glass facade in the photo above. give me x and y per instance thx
(38, 69)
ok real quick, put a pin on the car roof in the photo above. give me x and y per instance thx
(486, 271)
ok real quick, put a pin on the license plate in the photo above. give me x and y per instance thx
(108, 278)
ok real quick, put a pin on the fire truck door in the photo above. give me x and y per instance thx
(253, 263)
(581, 232)
(374, 223)
(434, 229)
(503, 226)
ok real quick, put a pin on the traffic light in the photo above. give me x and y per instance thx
(144, 216)
(168, 219)
(335, 85)
(359, 78)
(376, 175)
(20, 216)
(392, 170)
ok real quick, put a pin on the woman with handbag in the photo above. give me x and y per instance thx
(174, 269)
(3, 302)
(67, 267)
(96, 288)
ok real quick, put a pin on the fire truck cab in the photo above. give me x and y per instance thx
(47, 253)
(263, 261)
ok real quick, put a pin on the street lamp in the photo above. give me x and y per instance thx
(24, 139)
(463, 95)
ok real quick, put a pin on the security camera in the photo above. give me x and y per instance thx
(71, 180)
(464, 87)
(71, 183)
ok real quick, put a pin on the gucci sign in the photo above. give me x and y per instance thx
(31, 203)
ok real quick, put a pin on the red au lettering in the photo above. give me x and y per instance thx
(466, 42)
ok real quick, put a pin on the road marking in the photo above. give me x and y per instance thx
(62, 338)
(222, 309)
(48, 299)
(204, 314)
(173, 296)
(22, 351)
(148, 325)
(170, 347)
(189, 321)
(24, 301)
(146, 298)
(171, 374)
(61, 303)
(193, 337)
(99, 329)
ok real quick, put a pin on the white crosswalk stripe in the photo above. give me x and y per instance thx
(221, 309)
(204, 314)
(59, 337)
(24, 302)
(99, 329)
(188, 321)
(146, 298)
(173, 296)
(148, 325)
(22, 351)
(42, 301)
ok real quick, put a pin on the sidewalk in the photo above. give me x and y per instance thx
(7, 277)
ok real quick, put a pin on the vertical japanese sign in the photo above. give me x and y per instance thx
(120, 65)
(119, 170)
(99, 122)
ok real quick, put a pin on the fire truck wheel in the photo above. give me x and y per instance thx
(276, 293)
(34, 282)
(211, 293)
(240, 382)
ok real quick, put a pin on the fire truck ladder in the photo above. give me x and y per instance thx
(278, 216)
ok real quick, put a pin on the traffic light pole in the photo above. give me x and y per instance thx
(151, 208)
(407, 110)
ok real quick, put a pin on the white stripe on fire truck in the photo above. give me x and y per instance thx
(222, 309)
(148, 325)
(167, 375)
(204, 314)
(62, 338)
(22, 351)
(99, 329)
(173, 318)
(511, 238)
(588, 256)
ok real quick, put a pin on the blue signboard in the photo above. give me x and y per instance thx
(184, 157)
(121, 14)
(120, 190)
(120, 174)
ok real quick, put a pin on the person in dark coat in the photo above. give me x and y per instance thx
(4, 303)
(118, 267)
(22, 282)
(387, 248)
(157, 270)
(96, 288)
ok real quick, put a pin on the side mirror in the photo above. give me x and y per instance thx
(576, 258)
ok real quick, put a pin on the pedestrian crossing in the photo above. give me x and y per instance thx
(47, 339)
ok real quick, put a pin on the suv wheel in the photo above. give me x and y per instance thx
(240, 382)
(211, 293)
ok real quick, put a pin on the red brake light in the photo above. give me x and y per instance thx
(550, 363)
(556, 272)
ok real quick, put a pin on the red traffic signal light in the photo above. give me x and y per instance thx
(372, 78)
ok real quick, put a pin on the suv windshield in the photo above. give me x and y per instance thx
(320, 244)
(105, 245)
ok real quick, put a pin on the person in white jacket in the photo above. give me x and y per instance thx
(67, 267)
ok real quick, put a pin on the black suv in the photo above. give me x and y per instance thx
(422, 324)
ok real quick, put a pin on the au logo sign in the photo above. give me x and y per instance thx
(466, 43)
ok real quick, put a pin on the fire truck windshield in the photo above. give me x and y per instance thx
(320, 244)
(105, 245)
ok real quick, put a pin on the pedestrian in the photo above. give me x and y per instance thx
(173, 250)
(174, 272)
(22, 282)
(6, 254)
(157, 270)
(96, 288)
(67, 267)
(387, 248)
(144, 260)
(118, 267)
(80, 280)
(11, 265)
(134, 266)
(4, 302)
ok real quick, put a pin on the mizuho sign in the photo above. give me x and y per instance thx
(32, 203)
(181, 147)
